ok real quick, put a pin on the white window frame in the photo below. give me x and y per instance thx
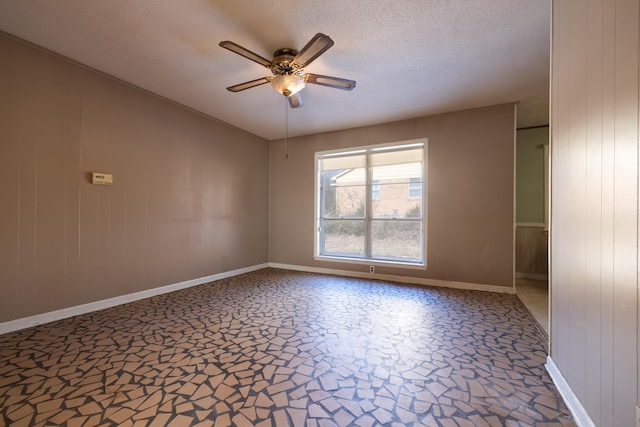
(317, 211)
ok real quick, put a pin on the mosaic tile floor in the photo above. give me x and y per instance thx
(280, 348)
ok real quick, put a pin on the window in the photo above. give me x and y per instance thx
(370, 203)
(375, 190)
(415, 188)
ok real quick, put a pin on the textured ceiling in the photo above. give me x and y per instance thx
(410, 58)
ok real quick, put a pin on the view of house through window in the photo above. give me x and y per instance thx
(370, 203)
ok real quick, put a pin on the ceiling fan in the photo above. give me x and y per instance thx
(287, 67)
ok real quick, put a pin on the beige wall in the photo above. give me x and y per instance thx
(470, 200)
(594, 234)
(189, 199)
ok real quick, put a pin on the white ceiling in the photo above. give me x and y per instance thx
(410, 58)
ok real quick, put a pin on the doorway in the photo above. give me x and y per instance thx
(531, 231)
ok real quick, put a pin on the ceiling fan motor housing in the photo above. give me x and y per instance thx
(283, 62)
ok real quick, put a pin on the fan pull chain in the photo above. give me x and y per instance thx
(286, 128)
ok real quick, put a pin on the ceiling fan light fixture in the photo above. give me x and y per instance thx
(288, 84)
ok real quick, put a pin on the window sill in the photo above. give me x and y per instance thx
(381, 263)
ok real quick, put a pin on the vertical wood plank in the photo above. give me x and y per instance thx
(28, 173)
(576, 165)
(560, 153)
(593, 212)
(10, 179)
(608, 213)
(626, 210)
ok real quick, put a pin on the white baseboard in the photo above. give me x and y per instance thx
(401, 279)
(38, 319)
(532, 276)
(580, 415)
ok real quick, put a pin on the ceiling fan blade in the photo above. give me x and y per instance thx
(236, 48)
(295, 100)
(334, 82)
(316, 47)
(249, 85)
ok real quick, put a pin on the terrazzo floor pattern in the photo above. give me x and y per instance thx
(281, 348)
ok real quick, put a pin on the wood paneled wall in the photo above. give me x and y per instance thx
(531, 252)
(594, 235)
(189, 198)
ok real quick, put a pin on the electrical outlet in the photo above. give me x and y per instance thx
(372, 269)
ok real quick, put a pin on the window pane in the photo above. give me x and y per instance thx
(343, 193)
(396, 240)
(343, 177)
(349, 202)
(415, 188)
(395, 201)
(397, 173)
(344, 238)
(400, 191)
(343, 202)
(375, 190)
